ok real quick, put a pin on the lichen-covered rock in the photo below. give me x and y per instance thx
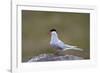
(52, 57)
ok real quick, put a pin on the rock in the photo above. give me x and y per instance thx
(52, 57)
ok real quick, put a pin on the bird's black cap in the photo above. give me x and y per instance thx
(52, 30)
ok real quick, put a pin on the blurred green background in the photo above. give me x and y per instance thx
(72, 28)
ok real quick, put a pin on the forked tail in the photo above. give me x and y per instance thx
(74, 48)
(77, 49)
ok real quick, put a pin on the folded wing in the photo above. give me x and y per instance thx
(64, 47)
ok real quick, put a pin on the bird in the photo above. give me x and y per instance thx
(56, 43)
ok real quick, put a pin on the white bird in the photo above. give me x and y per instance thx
(56, 43)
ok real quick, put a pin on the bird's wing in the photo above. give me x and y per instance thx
(60, 44)
(72, 47)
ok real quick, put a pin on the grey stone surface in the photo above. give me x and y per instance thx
(52, 57)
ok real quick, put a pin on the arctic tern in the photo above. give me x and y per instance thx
(56, 43)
